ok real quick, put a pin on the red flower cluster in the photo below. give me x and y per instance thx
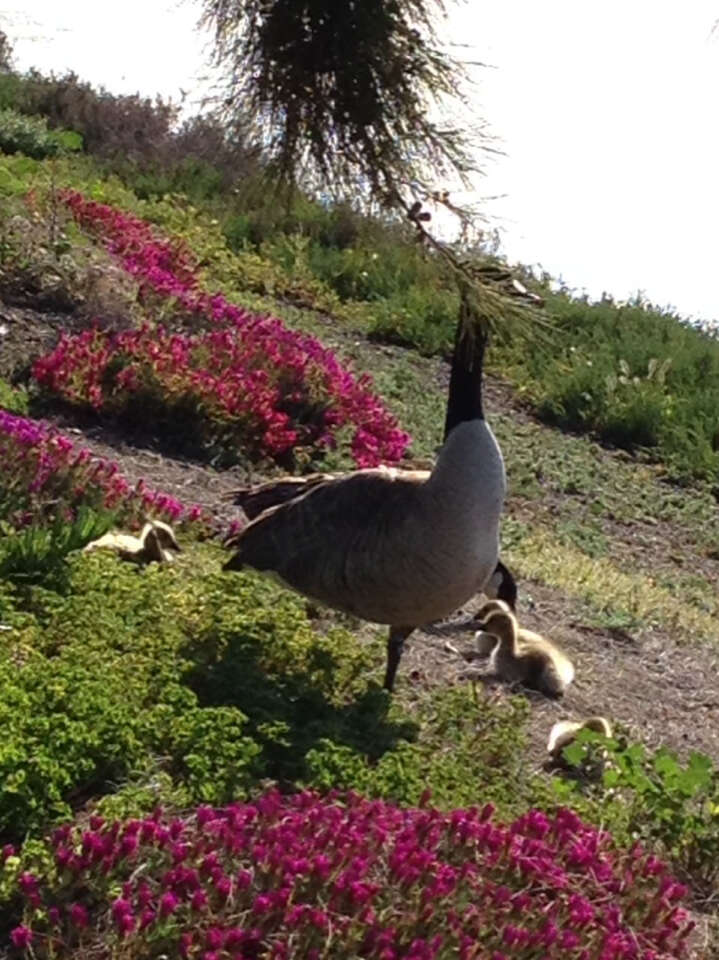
(44, 466)
(345, 876)
(276, 388)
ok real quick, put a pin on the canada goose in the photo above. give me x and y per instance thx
(521, 656)
(155, 543)
(256, 499)
(401, 547)
(565, 732)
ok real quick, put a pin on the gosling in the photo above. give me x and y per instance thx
(156, 543)
(566, 731)
(521, 656)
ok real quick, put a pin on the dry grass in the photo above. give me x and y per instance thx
(634, 597)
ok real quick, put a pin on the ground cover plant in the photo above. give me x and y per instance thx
(344, 876)
(214, 682)
(276, 391)
(657, 798)
(46, 473)
(29, 135)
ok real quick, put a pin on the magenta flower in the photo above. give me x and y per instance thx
(392, 881)
(168, 903)
(214, 938)
(28, 883)
(50, 468)
(78, 916)
(274, 388)
(21, 937)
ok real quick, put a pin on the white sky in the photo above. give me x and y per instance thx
(606, 111)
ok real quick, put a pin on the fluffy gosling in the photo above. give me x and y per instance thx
(156, 543)
(521, 656)
(565, 732)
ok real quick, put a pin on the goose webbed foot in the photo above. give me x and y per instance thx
(395, 646)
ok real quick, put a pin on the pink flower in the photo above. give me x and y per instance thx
(168, 903)
(78, 916)
(21, 937)
(199, 900)
(28, 883)
(248, 371)
(214, 938)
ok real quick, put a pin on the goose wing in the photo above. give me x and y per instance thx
(256, 499)
(343, 542)
(260, 497)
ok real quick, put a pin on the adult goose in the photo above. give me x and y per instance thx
(400, 547)
(256, 499)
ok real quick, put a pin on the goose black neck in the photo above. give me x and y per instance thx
(465, 383)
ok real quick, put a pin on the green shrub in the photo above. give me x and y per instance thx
(10, 86)
(29, 135)
(652, 796)
(633, 375)
(208, 683)
(13, 399)
(37, 553)
(421, 317)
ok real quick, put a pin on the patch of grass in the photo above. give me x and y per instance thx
(588, 538)
(632, 374)
(36, 553)
(638, 597)
(544, 463)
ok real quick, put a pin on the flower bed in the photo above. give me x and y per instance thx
(345, 876)
(258, 383)
(42, 467)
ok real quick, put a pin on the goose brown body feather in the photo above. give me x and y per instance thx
(273, 493)
(390, 546)
(262, 497)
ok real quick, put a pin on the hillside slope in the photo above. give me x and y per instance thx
(615, 564)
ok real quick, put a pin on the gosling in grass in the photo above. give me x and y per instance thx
(521, 656)
(156, 543)
(566, 732)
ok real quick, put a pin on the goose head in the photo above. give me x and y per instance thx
(152, 548)
(166, 536)
(495, 617)
(490, 608)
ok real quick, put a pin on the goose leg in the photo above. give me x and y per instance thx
(395, 644)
